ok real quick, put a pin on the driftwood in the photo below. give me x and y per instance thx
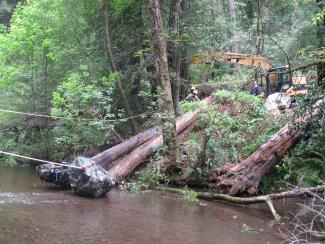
(125, 166)
(297, 192)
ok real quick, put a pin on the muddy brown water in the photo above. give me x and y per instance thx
(34, 212)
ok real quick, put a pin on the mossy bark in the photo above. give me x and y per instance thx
(159, 47)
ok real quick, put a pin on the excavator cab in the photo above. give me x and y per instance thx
(278, 80)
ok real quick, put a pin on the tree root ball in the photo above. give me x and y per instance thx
(91, 180)
(94, 181)
(54, 174)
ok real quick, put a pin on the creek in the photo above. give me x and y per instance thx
(34, 212)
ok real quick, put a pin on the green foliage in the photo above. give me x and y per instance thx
(235, 127)
(305, 164)
(246, 228)
(268, 129)
(191, 195)
(304, 167)
(85, 109)
(237, 120)
(149, 178)
(187, 106)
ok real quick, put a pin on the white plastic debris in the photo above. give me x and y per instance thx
(277, 100)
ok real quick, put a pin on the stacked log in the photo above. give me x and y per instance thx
(110, 155)
(126, 165)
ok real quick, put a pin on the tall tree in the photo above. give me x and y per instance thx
(159, 47)
(114, 69)
(259, 33)
(6, 9)
(320, 18)
(259, 29)
(233, 19)
(175, 62)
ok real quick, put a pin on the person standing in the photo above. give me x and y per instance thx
(255, 89)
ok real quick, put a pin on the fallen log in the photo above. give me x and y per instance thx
(125, 166)
(297, 192)
(108, 156)
(113, 153)
(206, 89)
(245, 176)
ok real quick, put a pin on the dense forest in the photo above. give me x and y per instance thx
(78, 77)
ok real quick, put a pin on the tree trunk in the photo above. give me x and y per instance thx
(45, 136)
(233, 19)
(112, 65)
(6, 13)
(205, 75)
(159, 46)
(246, 176)
(174, 51)
(259, 34)
(259, 30)
(321, 39)
(183, 66)
(125, 166)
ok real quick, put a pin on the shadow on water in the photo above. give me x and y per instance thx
(33, 212)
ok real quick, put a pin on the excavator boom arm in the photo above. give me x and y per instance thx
(235, 58)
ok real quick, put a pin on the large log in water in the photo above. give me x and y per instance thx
(113, 153)
(245, 176)
(125, 166)
(107, 157)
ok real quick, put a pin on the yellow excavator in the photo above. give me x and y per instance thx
(278, 79)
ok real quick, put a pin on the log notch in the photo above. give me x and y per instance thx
(125, 166)
(246, 176)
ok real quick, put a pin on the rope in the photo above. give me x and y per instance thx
(57, 175)
(58, 117)
(42, 161)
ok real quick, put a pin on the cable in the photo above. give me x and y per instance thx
(82, 119)
(42, 161)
